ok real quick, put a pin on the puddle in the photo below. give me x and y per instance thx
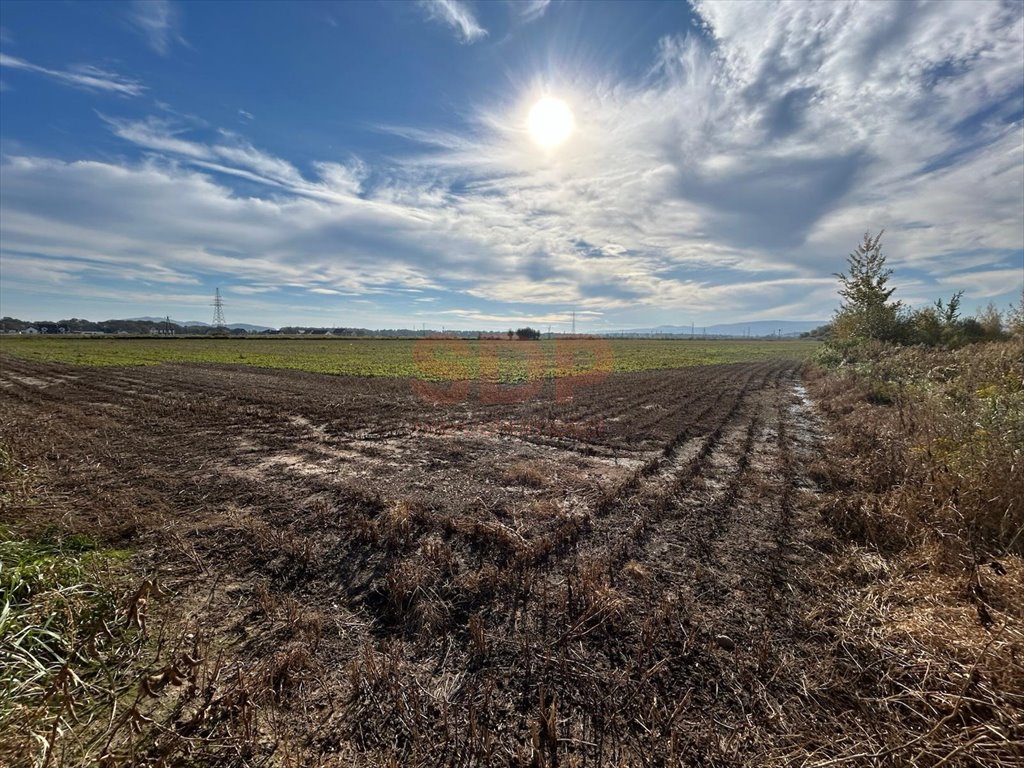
(35, 381)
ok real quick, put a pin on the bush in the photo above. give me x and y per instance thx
(527, 334)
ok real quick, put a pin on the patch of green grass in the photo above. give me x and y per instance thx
(72, 639)
(67, 645)
(430, 359)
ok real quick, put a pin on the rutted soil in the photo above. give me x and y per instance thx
(621, 578)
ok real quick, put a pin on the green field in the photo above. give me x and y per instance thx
(433, 359)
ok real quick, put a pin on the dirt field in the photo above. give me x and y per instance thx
(629, 576)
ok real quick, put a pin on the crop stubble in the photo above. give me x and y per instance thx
(620, 578)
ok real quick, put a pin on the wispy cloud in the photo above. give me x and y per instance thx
(32, 266)
(456, 15)
(80, 76)
(530, 10)
(984, 284)
(234, 156)
(158, 21)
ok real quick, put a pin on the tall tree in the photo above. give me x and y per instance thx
(867, 311)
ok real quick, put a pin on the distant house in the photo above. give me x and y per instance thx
(31, 330)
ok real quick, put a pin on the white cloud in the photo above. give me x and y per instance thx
(456, 15)
(81, 76)
(158, 22)
(730, 181)
(185, 222)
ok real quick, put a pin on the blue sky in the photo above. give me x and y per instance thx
(369, 164)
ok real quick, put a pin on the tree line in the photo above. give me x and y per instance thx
(869, 313)
(146, 327)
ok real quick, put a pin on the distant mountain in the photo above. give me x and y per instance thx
(245, 327)
(785, 328)
(186, 323)
(162, 320)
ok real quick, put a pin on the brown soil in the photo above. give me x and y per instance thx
(626, 578)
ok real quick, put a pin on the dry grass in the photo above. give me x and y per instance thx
(930, 445)
(926, 480)
(525, 474)
(99, 667)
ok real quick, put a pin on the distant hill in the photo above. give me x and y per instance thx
(186, 323)
(788, 328)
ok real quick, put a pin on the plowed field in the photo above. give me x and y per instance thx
(619, 577)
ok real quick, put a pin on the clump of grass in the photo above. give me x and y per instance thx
(525, 474)
(74, 645)
(87, 678)
(69, 646)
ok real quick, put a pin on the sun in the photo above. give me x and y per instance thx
(550, 122)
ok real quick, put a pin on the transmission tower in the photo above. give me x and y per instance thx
(218, 310)
(574, 323)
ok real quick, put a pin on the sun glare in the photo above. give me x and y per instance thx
(550, 122)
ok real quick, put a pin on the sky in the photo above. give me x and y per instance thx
(371, 164)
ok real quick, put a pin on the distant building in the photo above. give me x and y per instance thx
(31, 331)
